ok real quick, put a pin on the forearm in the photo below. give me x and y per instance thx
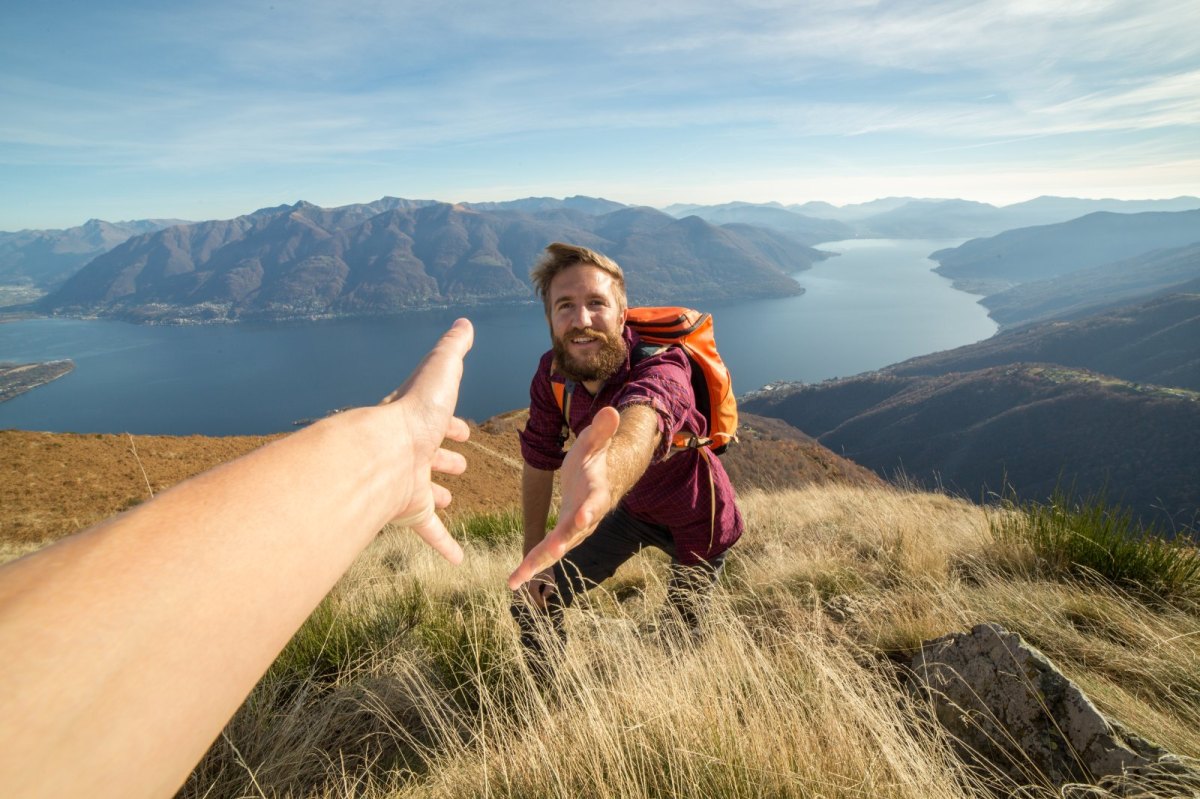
(632, 449)
(253, 563)
(537, 489)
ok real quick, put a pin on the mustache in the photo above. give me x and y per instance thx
(586, 331)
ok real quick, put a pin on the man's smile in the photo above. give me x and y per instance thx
(586, 339)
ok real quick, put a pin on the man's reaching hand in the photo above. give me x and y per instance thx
(587, 495)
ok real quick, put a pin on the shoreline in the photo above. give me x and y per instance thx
(18, 378)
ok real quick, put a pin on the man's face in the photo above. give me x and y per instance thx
(587, 317)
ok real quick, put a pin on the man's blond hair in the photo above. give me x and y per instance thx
(560, 257)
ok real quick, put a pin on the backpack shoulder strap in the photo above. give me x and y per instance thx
(644, 350)
(562, 395)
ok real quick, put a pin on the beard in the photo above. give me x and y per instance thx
(600, 365)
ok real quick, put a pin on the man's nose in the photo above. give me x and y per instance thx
(582, 317)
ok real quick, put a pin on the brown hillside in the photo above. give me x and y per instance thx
(1026, 428)
(55, 484)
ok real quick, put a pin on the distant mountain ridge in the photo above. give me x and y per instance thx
(393, 255)
(1108, 402)
(806, 229)
(36, 261)
(1030, 428)
(1047, 251)
(915, 218)
(46, 258)
(1157, 341)
(1093, 289)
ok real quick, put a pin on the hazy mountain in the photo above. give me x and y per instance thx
(803, 229)
(1030, 428)
(1088, 291)
(909, 217)
(852, 212)
(931, 219)
(587, 205)
(394, 255)
(1047, 251)
(1048, 210)
(45, 258)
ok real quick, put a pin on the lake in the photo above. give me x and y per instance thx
(874, 304)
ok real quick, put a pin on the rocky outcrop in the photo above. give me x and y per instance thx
(1014, 715)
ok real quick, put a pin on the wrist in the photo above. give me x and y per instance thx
(379, 455)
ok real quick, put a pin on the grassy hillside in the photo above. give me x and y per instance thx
(55, 484)
(408, 681)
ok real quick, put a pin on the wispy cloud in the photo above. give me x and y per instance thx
(170, 87)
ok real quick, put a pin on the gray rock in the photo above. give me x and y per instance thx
(844, 608)
(1013, 713)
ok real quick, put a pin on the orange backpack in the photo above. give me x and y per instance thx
(691, 331)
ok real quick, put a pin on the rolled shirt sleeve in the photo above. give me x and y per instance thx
(664, 382)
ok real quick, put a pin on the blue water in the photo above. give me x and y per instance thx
(875, 304)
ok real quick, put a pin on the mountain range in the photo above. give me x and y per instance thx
(1107, 403)
(45, 258)
(1048, 251)
(393, 255)
(34, 262)
(1093, 289)
(915, 218)
(1093, 382)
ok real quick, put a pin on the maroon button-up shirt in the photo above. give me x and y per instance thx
(687, 492)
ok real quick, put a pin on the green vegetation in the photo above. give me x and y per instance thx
(408, 681)
(1089, 540)
(497, 529)
(489, 529)
(337, 638)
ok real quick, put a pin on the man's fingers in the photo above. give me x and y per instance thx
(603, 427)
(522, 574)
(449, 462)
(436, 378)
(433, 532)
(441, 496)
(553, 548)
(457, 430)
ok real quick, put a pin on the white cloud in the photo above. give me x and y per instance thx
(230, 85)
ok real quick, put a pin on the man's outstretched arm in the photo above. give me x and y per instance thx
(608, 458)
(128, 647)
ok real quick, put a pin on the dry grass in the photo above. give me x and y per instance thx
(777, 700)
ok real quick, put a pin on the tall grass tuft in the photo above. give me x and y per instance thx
(410, 682)
(492, 528)
(1089, 539)
(338, 636)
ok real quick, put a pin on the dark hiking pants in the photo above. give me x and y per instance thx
(617, 538)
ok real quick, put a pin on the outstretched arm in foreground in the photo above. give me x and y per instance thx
(128, 647)
(607, 459)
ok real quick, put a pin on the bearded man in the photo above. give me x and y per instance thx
(622, 486)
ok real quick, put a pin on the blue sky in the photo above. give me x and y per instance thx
(126, 110)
